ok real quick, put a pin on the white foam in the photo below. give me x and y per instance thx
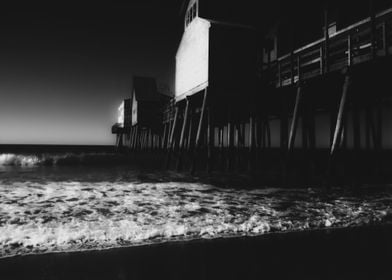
(18, 160)
(68, 216)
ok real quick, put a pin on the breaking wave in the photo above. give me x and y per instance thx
(60, 159)
(71, 216)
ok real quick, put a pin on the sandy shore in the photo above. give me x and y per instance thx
(355, 253)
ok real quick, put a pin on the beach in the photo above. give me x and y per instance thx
(63, 216)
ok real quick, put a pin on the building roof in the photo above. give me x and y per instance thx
(145, 89)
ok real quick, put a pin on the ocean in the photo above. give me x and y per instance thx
(59, 201)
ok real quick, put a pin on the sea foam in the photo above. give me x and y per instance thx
(39, 217)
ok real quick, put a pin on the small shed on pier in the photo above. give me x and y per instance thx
(124, 117)
(218, 50)
(147, 103)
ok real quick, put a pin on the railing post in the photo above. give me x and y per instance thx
(349, 51)
(373, 28)
(321, 60)
(292, 67)
(385, 38)
(326, 41)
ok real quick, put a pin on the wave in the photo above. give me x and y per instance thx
(10, 159)
(71, 216)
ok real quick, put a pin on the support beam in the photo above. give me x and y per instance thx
(326, 41)
(210, 140)
(164, 136)
(356, 125)
(229, 139)
(199, 130)
(173, 130)
(283, 123)
(341, 113)
(379, 119)
(190, 130)
(170, 146)
(373, 29)
(183, 130)
(294, 122)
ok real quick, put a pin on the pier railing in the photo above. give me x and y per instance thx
(168, 111)
(358, 43)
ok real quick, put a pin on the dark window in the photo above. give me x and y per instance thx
(191, 14)
(194, 11)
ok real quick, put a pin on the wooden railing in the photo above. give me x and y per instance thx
(358, 43)
(168, 111)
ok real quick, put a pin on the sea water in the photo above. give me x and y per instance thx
(74, 202)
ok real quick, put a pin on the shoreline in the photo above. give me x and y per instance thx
(331, 253)
(184, 241)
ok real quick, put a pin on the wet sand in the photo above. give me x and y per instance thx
(345, 253)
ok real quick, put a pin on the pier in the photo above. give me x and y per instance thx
(318, 113)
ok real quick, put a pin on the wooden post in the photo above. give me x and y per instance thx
(340, 118)
(283, 123)
(356, 126)
(326, 41)
(210, 140)
(141, 138)
(294, 123)
(173, 130)
(148, 139)
(170, 146)
(379, 146)
(308, 137)
(190, 143)
(251, 141)
(118, 140)
(199, 130)
(131, 140)
(165, 128)
(385, 39)
(184, 123)
(379, 123)
(292, 67)
(134, 138)
(321, 60)
(237, 144)
(169, 131)
(373, 29)
(306, 119)
(266, 134)
(349, 51)
(221, 129)
(229, 138)
(144, 140)
(184, 126)
(368, 121)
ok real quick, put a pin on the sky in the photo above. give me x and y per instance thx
(64, 68)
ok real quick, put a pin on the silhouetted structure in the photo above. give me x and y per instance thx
(124, 121)
(288, 93)
(141, 117)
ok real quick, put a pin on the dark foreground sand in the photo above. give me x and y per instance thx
(356, 253)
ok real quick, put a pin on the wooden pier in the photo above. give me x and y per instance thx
(316, 114)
